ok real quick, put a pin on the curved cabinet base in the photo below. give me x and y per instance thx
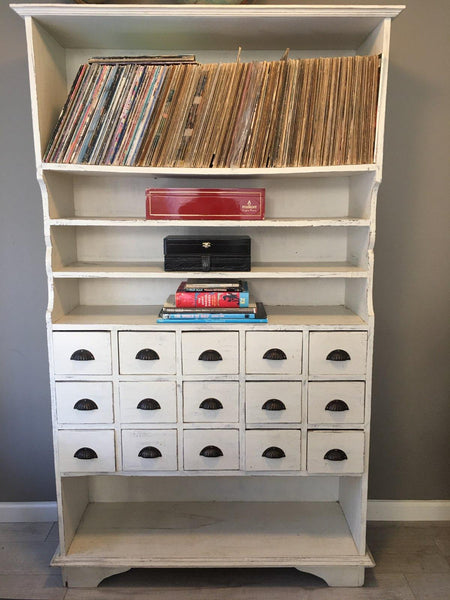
(338, 576)
(88, 577)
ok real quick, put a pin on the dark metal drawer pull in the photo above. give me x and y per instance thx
(85, 454)
(336, 405)
(338, 355)
(335, 454)
(211, 404)
(273, 452)
(147, 354)
(149, 452)
(211, 452)
(210, 355)
(275, 354)
(82, 354)
(85, 404)
(273, 404)
(149, 404)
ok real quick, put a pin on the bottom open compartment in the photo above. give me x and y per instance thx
(212, 522)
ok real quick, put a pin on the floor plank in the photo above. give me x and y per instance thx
(32, 587)
(24, 532)
(430, 586)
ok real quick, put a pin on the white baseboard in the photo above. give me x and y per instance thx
(26, 512)
(408, 510)
(378, 510)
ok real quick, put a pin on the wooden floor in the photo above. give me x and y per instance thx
(413, 563)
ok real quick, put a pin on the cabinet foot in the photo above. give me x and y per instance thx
(88, 577)
(352, 576)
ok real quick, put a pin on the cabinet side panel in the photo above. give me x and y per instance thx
(46, 61)
(378, 43)
(353, 500)
(74, 500)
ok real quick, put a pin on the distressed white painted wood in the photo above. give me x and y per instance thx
(100, 441)
(226, 441)
(68, 393)
(135, 409)
(349, 443)
(162, 346)
(163, 440)
(274, 353)
(322, 405)
(197, 409)
(288, 395)
(257, 450)
(224, 344)
(97, 344)
(313, 269)
(323, 344)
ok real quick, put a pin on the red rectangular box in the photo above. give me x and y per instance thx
(236, 204)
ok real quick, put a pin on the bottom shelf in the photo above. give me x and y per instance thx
(213, 534)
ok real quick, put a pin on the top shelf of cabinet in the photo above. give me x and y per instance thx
(181, 26)
(323, 171)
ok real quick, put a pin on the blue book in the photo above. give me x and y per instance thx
(259, 317)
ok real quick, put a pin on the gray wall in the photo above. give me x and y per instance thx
(410, 441)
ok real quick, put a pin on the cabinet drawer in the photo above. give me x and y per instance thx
(147, 352)
(149, 450)
(211, 449)
(84, 402)
(273, 352)
(148, 401)
(336, 402)
(210, 353)
(211, 401)
(82, 352)
(86, 451)
(272, 450)
(335, 452)
(273, 402)
(337, 352)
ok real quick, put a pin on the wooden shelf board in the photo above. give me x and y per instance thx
(327, 171)
(82, 270)
(145, 316)
(268, 222)
(209, 534)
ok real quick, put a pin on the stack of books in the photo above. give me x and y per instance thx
(212, 301)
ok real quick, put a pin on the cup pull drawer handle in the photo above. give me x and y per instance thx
(82, 354)
(210, 355)
(211, 404)
(85, 454)
(338, 355)
(149, 404)
(273, 404)
(149, 452)
(147, 354)
(211, 452)
(336, 406)
(85, 404)
(275, 354)
(335, 454)
(273, 452)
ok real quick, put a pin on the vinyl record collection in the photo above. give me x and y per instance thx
(174, 112)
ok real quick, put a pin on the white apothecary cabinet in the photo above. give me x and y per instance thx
(172, 462)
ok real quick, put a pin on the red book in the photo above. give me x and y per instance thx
(211, 299)
(207, 204)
